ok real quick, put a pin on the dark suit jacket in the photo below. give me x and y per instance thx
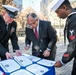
(47, 36)
(6, 35)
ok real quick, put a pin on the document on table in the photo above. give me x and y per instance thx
(26, 55)
(1, 73)
(22, 60)
(21, 72)
(32, 58)
(37, 69)
(46, 62)
(9, 65)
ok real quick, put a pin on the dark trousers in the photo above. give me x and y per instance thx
(74, 67)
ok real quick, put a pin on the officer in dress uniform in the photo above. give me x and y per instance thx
(64, 10)
(8, 31)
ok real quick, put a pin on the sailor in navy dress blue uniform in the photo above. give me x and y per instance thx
(64, 10)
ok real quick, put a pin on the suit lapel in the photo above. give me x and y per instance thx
(40, 29)
(8, 32)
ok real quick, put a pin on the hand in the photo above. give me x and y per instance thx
(46, 53)
(58, 64)
(18, 53)
(27, 47)
(8, 55)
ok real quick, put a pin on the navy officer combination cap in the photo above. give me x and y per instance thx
(12, 11)
(55, 4)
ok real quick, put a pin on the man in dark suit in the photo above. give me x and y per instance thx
(43, 37)
(8, 31)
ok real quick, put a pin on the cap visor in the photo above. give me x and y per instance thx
(12, 16)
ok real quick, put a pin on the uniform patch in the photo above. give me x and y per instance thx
(66, 55)
(72, 37)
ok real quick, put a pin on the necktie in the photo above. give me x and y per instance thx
(36, 33)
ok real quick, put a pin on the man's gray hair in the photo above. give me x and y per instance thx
(33, 15)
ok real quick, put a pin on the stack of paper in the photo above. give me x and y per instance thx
(26, 55)
(21, 72)
(9, 65)
(22, 60)
(37, 69)
(32, 58)
(46, 62)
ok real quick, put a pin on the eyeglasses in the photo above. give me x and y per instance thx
(33, 22)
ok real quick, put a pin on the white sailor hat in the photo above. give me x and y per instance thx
(12, 11)
(54, 5)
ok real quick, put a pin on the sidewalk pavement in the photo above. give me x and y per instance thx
(65, 70)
